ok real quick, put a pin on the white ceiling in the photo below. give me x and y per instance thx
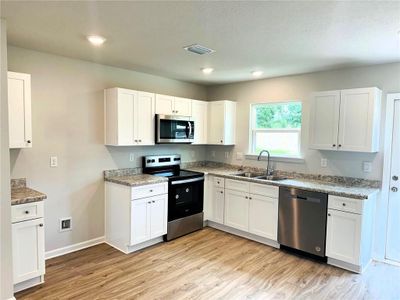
(280, 38)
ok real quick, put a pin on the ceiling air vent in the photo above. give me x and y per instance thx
(198, 49)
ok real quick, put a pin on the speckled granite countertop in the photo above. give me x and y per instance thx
(356, 189)
(135, 179)
(21, 194)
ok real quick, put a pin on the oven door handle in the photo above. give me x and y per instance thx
(187, 180)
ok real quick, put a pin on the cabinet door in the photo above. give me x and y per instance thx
(343, 236)
(164, 104)
(237, 209)
(125, 132)
(28, 249)
(140, 221)
(218, 205)
(357, 120)
(158, 215)
(199, 116)
(144, 119)
(263, 216)
(183, 107)
(324, 120)
(216, 123)
(19, 110)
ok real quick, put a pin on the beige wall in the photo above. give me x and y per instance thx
(299, 87)
(67, 108)
(6, 284)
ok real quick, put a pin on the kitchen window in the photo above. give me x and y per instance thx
(276, 127)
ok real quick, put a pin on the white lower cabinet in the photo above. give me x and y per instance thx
(343, 236)
(28, 245)
(218, 205)
(237, 209)
(135, 217)
(263, 216)
(349, 232)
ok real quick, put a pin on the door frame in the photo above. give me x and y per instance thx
(387, 159)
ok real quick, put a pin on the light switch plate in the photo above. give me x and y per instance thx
(324, 162)
(132, 157)
(53, 161)
(367, 167)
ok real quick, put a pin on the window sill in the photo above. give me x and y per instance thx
(287, 159)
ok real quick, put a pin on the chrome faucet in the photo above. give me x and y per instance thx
(269, 172)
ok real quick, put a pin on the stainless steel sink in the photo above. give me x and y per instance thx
(261, 176)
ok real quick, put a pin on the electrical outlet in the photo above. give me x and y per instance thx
(212, 153)
(65, 224)
(324, 162)
(132, 157)
(239, 156)
(226, 154)
(192, 154)
(367, 167)
(53, 161)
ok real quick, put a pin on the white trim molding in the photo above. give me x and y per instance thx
(74, 247)
(286, 159)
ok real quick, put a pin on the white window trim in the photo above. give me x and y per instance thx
(281, 158)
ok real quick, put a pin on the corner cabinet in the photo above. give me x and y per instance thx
(129, 117)
(200, 118)
(170, 105)
(19, 110)
(28, 245)
(136, 217)
(346, 120)
(221, 122)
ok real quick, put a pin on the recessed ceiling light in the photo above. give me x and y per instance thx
(96, 40)
(207, 70)
(257, 73)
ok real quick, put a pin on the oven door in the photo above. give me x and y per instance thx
(174, 129)
(185, 197)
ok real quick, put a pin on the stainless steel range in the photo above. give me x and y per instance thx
(185, 193)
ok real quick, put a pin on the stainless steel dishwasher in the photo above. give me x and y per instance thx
(302, 220)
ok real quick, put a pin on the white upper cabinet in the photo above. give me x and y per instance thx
(129, 117)
(222, 122)
(19, 110)
(169, 105)
(346, 120)
(200, 118)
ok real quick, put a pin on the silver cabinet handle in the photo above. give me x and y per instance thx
(344, 204)
(149, 202)
(334, 145)
(394, 189)
(247, 197)
(151, 191)
(40, 225)
(221, 192)
(329, 215)
(27, 212)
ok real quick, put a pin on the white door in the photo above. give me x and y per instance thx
(144, 119)
(218, 205)
(216, 113)
(356, 120)
(393, 224)
(343, 236)
(324, 120)
(28, 249)
(158, 215)
(140, 221)
(237, 209)
(263, 216)
(199, 116)
(126, 100)
(183, 107)
(19, 110)
(164, 104)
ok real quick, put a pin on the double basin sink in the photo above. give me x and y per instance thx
(260, 176)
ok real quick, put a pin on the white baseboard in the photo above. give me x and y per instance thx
(74, 247)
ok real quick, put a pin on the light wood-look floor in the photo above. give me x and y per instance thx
(208, 264)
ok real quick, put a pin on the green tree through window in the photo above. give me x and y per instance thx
(287, 115)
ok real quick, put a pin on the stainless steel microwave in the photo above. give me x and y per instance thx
(174, 129)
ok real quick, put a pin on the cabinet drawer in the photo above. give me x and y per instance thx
(27, 211)
(345, 204)
(219, 182)
(149, 190)
(264, 190)
(237, 185)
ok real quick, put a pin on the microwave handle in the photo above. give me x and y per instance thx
(190, 129)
